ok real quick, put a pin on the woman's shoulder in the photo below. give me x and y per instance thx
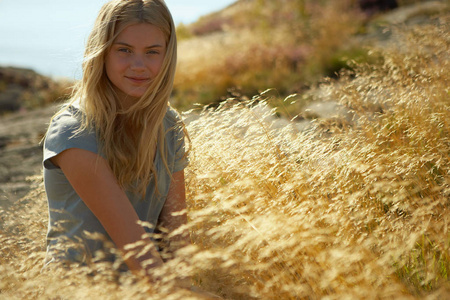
(69, 116)
(65, 132)
(172, 117)
(67, 123)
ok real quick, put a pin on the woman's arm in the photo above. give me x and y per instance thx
(93, 180)
(172, 217)
(173, 214)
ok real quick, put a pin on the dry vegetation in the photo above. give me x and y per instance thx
(254, 45)
(349, 208)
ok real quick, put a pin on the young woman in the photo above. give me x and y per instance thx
(114, 155)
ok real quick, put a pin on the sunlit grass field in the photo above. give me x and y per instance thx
(352, 207)
(255, 45)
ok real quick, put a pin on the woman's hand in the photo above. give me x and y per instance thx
(174, 215)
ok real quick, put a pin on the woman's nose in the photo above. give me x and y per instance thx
(137, 63)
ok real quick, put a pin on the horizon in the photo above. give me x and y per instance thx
(52, 44)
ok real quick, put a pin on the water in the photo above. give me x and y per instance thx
(49, 35)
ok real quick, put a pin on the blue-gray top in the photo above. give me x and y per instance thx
(69, 218)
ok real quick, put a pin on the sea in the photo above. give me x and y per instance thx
(49, 36)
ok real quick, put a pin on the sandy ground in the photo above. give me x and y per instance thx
(21, 152)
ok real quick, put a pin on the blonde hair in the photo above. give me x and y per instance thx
(129, 137)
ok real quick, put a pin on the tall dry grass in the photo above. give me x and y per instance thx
(349, 208)
(253, 45)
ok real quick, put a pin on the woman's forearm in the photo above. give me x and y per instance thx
(173, 216)
(95, 183)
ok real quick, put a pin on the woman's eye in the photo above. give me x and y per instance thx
(153, 52)
(125, 50)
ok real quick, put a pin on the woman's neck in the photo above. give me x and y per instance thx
(125, 100)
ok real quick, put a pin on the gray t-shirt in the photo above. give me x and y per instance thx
(70, 220)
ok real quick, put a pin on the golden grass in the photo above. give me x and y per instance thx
(355, 209)
(255, 45)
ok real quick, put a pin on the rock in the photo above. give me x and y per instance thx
(24, 88)
(371, 7)
(10, 100)
(326, 110)
(408, 13)
(20, 151)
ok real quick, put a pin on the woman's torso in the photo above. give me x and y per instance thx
(71, 223)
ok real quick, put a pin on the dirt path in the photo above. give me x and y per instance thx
(20, 151)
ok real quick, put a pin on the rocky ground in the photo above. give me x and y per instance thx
(20, 151)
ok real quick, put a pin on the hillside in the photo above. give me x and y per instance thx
(22, 89)
(254, 45)
(348, 200)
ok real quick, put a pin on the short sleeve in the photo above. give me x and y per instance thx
(63, 133)
(175, 137)
(181, 158)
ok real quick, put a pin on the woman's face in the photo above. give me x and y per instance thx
(135, 59)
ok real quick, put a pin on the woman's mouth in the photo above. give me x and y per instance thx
(138, 80)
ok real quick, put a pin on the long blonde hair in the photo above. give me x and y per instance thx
(130, 137)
